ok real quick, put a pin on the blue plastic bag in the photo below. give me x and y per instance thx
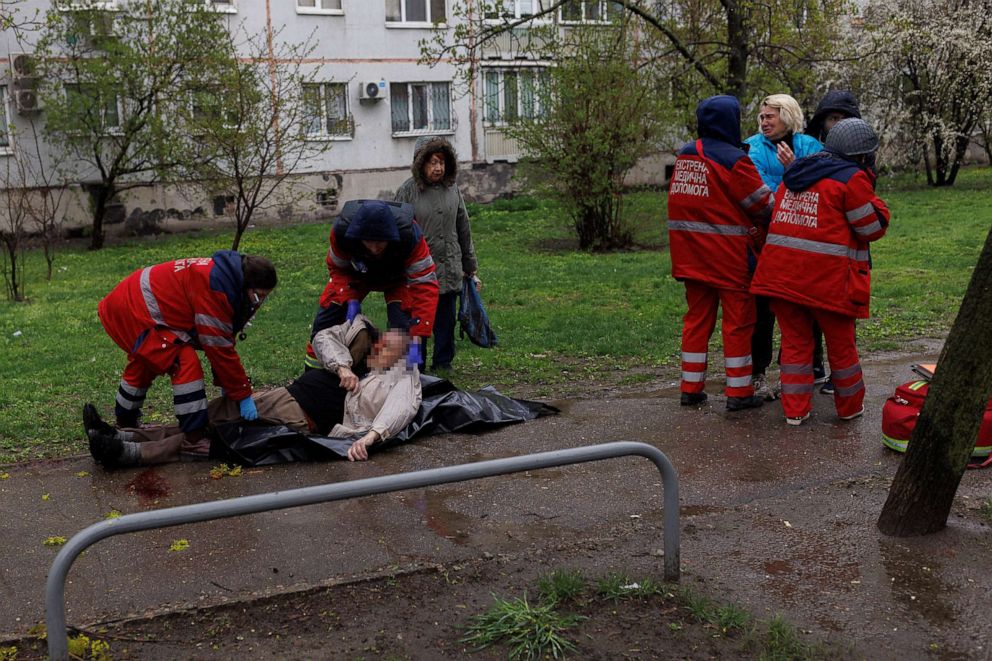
(472, 318)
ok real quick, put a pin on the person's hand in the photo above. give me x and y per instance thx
(475, 280)
(248, 410)
(349, 380)
(785, 154)
(414, 355)
(359, 450)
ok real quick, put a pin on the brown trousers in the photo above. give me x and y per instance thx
(166, 443)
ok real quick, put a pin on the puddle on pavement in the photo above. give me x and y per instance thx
(916, 583)
(150, 487)
(445, 522)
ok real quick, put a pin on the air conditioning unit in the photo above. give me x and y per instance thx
(373, 90)
(26, 101)
(23, 67)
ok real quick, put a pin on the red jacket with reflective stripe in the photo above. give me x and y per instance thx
(405, 272)
(194, 299)
(816, 253)
(716, 201)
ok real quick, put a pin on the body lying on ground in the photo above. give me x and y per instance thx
(331, 401)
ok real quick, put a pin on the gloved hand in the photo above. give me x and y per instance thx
(248, 410)
(413, 355)
(354, 308)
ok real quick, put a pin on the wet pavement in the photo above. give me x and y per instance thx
(776, 518)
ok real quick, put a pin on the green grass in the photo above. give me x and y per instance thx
(531, 631)
(565, 319)
(985, 511)
(561, 586)
(539, 630)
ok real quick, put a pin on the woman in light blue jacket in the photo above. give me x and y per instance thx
(778, 143)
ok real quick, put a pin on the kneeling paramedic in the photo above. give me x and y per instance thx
(162, 315)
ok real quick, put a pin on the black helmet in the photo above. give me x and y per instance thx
(852, 137)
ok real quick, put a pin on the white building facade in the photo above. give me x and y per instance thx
(372, 98)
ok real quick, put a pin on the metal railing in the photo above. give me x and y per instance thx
(174, 516)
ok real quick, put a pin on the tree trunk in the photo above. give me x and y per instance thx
(102, 194)
(12, 275)
(737, 47)
(923, 490)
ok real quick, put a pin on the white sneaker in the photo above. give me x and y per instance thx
(795, 422)
(854, 415)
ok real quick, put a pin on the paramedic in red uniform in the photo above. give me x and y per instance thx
(717, 203)
(815, 264)
(377, 246)
(161, 315)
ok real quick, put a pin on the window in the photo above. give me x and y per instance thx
(207, 106)
(318, 7)
(514, 9)
(511, 94)
(415, 11)
(420, 107)
(589, 11)
(4, 125)
(226, 6)
(87, 101)
(326, 111)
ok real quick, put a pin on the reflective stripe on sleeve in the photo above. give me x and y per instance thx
(213, 322)
(755, 197)
(215, 341)
(706, 228)
(863, 211)
(420, 265)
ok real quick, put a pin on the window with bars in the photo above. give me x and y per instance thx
(4, 121)
(87, 100)
(319, 6)
(511, 94)
(589, 11)
(420, 107)
(415, 11)
(326, 110)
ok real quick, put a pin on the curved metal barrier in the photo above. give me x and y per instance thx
(55, 588)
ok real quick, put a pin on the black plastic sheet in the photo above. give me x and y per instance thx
(444, 409)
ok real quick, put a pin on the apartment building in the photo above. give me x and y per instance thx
(371, 97)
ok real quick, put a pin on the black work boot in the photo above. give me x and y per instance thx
(93, 423)
(741, 403)
(106, 449)
(692, 398)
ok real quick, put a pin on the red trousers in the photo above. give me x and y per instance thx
(697, 327)
(796, 323)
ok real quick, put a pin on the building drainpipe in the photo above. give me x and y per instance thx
(473, 112)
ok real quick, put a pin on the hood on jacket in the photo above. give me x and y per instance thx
(720, 117)
(805, 172)
(228, 277)
(841, 101)
(425, 147)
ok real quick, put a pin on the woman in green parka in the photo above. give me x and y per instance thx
(440, 211)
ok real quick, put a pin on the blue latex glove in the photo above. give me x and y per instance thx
(413, 355)
(354, 308)
(248, 410)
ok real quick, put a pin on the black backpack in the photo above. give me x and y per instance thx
(472, 317)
